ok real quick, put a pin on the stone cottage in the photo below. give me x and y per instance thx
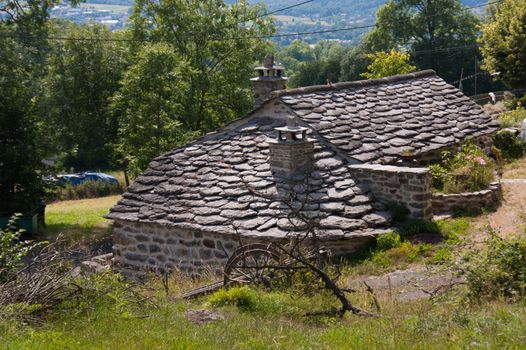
(336, 152)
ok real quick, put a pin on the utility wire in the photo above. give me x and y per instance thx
(279, 35)
(278, 10)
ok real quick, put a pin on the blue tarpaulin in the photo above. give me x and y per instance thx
(77, 179)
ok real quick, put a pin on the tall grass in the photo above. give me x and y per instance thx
(88, 189)
(117, 319)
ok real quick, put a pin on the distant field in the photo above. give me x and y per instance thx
(292, 19)
(106, 7)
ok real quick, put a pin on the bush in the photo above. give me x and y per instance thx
(453, 229)
(244, 298)
(413, 227)
(12, 249)
(498, 270)
(468, 170)
(513, 118)
(88, 189)
(388, 241)
(398, 211)
(440, 176)
(510, 145)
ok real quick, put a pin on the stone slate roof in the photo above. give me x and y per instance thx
(224, 181)
(383, 120)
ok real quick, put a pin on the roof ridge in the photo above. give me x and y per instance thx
(354, 84)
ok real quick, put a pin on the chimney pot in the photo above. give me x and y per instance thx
(292, 150)
(270, 78)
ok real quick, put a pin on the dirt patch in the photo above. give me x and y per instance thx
(509, 217)
(203, 316)
(404, 285)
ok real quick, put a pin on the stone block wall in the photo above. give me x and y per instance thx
(287, 157)
(472, 201)
(408, 186)
(148, 246)
(144, 247)
(263, 88)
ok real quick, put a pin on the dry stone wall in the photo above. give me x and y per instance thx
(138, 247)
(408, 186)
(472, 201)
(144, 247)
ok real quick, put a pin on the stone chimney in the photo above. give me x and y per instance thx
(292, 151)
(270, 78)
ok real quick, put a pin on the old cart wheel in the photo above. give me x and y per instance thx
(252, 263)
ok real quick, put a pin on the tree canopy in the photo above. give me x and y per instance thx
(439, 34)
(385, 64)
(503, 42)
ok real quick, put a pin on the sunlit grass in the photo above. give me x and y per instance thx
(278, 321)
(79, 219)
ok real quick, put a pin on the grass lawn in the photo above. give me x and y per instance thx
(79, 219)
(278, 321)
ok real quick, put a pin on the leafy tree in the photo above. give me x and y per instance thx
(83, 76)
(354, 62)
(428, 28)
(218, 44)
(151, 107)
(293, 55)
(503, 42)
(23, 56)
(196, 78)
(388, 63)
(21, 176)
(324, 68)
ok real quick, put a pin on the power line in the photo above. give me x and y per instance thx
(278, 10)
(279, 35)
(286, 8)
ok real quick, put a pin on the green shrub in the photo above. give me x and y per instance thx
(89, 189)
(413, 227)
(388, 241)
(468, 170)
(510, 145)
(442, 255)
(440, 176)
(497, 270)
(244, 298)
(453, 229)
(513, 118)
(381, 259)
(12, 249)
(398, 211)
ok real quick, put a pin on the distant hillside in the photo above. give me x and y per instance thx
(315, 16)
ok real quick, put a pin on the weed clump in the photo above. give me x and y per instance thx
(497, 270)
(88, 189)
(509, 145)
(244, 298)
(388, 241)
(413, 227)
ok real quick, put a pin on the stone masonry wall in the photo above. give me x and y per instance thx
(408, 186)
(472, 201)
(142, 247)
(287, 157)
(148, 246)
(263, 88)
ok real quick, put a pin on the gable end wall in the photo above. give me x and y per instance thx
(408, 186)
